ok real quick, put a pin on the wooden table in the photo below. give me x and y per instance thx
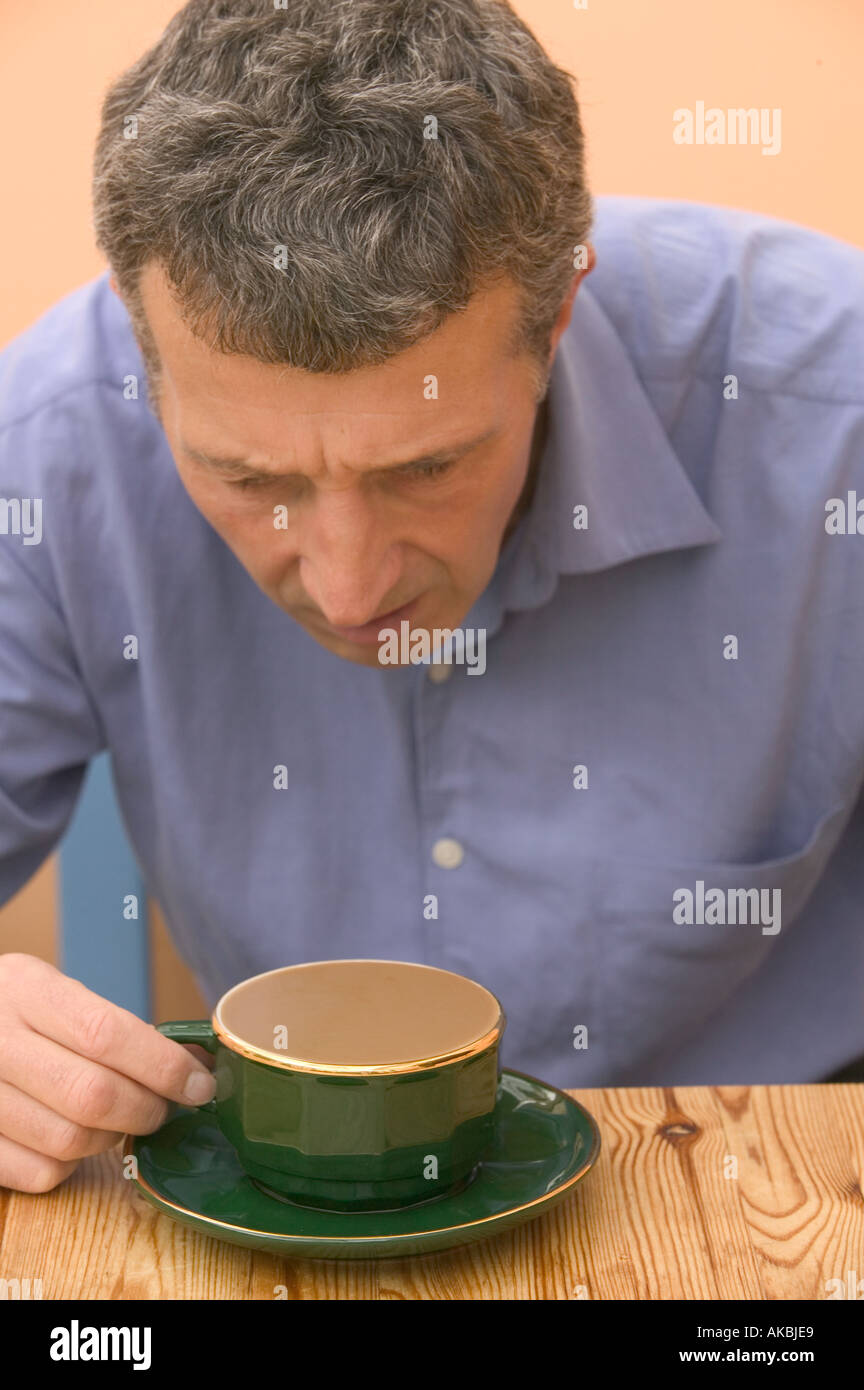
(661, 1216)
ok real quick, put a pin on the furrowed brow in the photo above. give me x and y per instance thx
(229, 465)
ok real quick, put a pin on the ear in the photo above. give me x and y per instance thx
(567, 307)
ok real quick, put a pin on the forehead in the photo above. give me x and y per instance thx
(468, 356)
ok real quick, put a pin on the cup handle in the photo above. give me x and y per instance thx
(196, 1030)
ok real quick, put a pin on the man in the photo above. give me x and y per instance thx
(351, 377)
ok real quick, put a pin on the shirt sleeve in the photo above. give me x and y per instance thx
(49, 726)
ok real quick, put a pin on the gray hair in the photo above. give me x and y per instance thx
(254, 125)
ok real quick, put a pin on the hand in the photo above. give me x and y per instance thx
(77, 1073)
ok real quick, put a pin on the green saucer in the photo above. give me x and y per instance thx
(544, 1143)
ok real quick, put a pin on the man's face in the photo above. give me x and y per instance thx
(356, 501)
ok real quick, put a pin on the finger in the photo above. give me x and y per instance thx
(71, 1015)
(29, 1122)
(85, 1092)
(25, 1171)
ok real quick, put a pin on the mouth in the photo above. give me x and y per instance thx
(367, 635)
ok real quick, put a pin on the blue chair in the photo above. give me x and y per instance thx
(98, 877)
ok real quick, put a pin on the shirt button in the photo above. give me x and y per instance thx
(448, 854)
(440, 673)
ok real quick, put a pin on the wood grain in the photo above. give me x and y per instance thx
(715, 1193)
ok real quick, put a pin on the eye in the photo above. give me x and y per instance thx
(289, 487)
(429, 470)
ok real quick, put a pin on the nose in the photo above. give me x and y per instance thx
(349, 564)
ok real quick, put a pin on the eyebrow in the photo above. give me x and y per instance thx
(230, 465)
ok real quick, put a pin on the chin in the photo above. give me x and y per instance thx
(360, 656)
(348, 651)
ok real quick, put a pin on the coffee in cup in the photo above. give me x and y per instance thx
(354, 1085)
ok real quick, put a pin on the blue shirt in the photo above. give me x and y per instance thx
(706, 404)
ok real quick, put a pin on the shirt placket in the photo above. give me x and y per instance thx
(443, 844)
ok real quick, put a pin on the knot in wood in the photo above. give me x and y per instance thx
(678, 1131)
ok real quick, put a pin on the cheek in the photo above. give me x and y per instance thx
(467, 537)
(502, 493)
(468, 523)
(227, 514)
(495, 487)
(247, 531)
(206, 498)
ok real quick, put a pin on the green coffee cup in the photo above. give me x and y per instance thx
(354, 1085)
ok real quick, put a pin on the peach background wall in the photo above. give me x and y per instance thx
(635, 61)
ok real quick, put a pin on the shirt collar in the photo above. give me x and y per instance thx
(606, 450)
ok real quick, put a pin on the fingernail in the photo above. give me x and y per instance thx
(200, 1087)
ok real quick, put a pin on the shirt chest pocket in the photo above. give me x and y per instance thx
(675, 941)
